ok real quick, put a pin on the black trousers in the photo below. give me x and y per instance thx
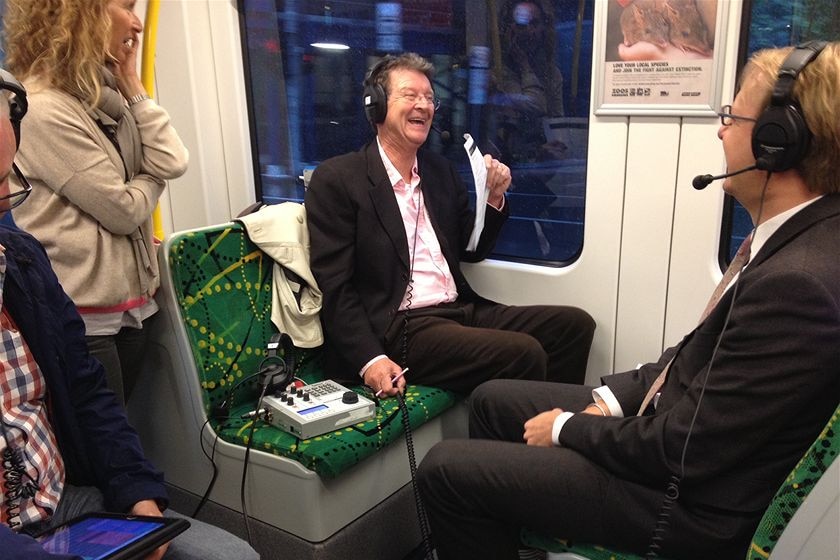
(480, 492)
(122, 357)
(457, 346)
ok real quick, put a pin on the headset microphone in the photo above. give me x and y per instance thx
(444, 134)
(702, 181)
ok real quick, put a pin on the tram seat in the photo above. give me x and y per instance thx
(341, 495)
(799, 524)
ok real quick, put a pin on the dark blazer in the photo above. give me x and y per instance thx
(773, 383)
(359, 251)
(98, 446)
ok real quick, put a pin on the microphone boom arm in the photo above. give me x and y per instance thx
(702, 181)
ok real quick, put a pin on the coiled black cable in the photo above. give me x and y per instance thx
(663, 521)
(18, 484)
(422, 518)
(672, 490)
(409, 290)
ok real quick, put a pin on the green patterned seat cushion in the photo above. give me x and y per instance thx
(222, 283)
(784, 504)
(330, 454)
(796, 488)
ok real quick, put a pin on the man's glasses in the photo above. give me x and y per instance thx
(15, 199)
(727, 118)
(414, 98)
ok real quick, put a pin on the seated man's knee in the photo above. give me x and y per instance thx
(526, 358)
(586, 322)
(576, 320)
(487, 394)
(433, 464)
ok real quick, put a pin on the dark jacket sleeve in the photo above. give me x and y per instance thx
(771, 387)
(630, 387)
(97, 443)
(332, 218)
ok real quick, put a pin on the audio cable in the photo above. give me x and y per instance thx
(672, 489)
(422, 518)
(248, 445)
(18, 484)
(221, 413)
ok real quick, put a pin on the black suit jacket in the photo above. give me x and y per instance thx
(773, 383)
(359, 250)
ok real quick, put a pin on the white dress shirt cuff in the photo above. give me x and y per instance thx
(603, 393)
(370, 363)
(501, 206)
(559, 422)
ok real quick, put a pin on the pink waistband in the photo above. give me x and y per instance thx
(124, 306)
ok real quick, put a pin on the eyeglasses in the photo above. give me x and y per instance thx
(15, 199)
(726, 118)
(413, 98)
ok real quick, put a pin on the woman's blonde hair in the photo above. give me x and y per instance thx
(815, 90)
(61, 43)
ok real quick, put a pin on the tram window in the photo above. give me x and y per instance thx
(775, 23)
(305, 102)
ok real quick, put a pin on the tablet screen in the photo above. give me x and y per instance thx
(101, 537)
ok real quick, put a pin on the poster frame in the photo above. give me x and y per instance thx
(706, 87)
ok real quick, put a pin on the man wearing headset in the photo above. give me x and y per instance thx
(744, 394)
(65, 442)
(389, 227)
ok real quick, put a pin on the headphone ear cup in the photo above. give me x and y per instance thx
(289, 355)
(780, 138)
(280, 371)
(376, 103)
(16, 129)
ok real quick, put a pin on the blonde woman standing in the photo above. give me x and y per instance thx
(97, 151)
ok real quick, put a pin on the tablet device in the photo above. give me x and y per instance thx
(110, 536)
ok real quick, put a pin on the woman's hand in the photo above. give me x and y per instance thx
(124, 67)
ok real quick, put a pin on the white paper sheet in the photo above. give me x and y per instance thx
(479, 172)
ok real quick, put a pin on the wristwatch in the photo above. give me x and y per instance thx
(138, 98)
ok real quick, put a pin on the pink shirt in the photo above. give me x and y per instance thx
(431, 281)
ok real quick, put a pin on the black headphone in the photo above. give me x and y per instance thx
(375, 99)
(17, 101)
(781, 137)
(275, 371)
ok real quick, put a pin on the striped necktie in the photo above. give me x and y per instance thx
(742, 256)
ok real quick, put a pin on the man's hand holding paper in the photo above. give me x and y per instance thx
(498, 181)
(495, 176)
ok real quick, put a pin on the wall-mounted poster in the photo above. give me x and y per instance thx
(660, 57)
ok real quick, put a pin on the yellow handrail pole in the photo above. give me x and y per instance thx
(147, 76)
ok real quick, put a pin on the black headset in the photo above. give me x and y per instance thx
(375, 98)
(781, 137)
(277, 372)
(17, 101)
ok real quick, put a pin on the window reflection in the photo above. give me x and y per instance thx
(514, 74)
(775, 23)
